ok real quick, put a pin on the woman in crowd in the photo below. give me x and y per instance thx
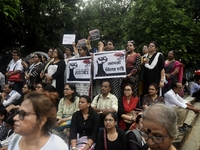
(35, 119)
(126, 107)
(9, 122)
(84, 126)
(132, 67)
(152, 97)
(67, 106)
(32, 75)
(55, 71)
(40, 87)
(153, 68)
(82, 88)
(173, 70)
(111, 138)
(159, 127)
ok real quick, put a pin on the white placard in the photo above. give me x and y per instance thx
(68, 38)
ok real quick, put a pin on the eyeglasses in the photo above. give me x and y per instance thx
(152, 89)
(127, 90)
(22, 114)
(110, 120)
(35, 57)
(67, 89)
(155, 139)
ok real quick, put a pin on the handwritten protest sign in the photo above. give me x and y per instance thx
(94, 34)
(68, 38)
(110, 64)
(81, 43)
(79, 70)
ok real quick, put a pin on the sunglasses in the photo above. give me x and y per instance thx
(22, 114)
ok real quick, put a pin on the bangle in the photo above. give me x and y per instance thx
(88, 144)
(73, 148)
(161, 80)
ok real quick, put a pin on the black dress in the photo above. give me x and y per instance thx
(153, 75)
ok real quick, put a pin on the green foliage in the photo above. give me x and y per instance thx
(165, 23)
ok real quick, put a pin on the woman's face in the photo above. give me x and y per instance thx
(145, 50)
(36, 59)
(130, 46)
(128, 91)
(81, 52)
(152, 128)
(152, 47)
(109, 122)
(55, 53)
(152, 90)
(110, 46)
(68, 52)
(39, 88)
(68, 91)
(139, 125)
(25, 89)
(26, 122)
(83, 104)
(170, 55)
(50, 53)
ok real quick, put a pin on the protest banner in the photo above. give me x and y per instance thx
(79, 70)
(68, 38)
(81, 42)
(110, 64)
(94, 34)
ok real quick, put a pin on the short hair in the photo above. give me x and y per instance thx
(60, 53)
(111, 42)
(156, 45)
(174, 84)
(107, 82)
(113, 115)
(43, 84)
(164, 116)
(88, 99)
(16, 52)
(30, 86)
(154, 85)
(43, 106)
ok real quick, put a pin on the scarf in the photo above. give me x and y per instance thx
(154, 62)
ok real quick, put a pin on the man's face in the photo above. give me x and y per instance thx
(6, 89)
(178, 89)
(105, 88)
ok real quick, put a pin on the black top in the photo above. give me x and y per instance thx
(88, 127)
(119, 144)
(153, 75)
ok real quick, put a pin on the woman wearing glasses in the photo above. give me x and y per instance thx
(126, 107)
(36, 117)
(159, 127)
(152, 97)
(153, 68)
(111, 138)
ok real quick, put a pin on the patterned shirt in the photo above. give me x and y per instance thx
(147, 100)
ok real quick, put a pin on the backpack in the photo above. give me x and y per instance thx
(138, 136)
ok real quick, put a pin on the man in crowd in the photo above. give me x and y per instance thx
(173, 100)
(195, 90)
(105, 102)
(9, 96)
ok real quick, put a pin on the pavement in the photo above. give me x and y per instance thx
(193, 140)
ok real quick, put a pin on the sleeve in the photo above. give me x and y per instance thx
(19, 66)
(123, 139)
(94, 102)
(60, 70)
(100, 141)
(173, 100)
(73, 126)
(60, 108)
(14, 96)
(137, 62)
(95, 127)
(120, 108)
(76, 103)
(7, 140)
(161, 62)
(37, 70)
(145, 100)
(115, 103)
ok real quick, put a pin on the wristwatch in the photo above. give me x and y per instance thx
(101, 112)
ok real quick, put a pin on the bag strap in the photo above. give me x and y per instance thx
(104, 137)
(98, 98)
(138, 137)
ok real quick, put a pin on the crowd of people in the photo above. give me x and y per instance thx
(38, 104)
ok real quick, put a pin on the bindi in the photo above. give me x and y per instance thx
(149, 130)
